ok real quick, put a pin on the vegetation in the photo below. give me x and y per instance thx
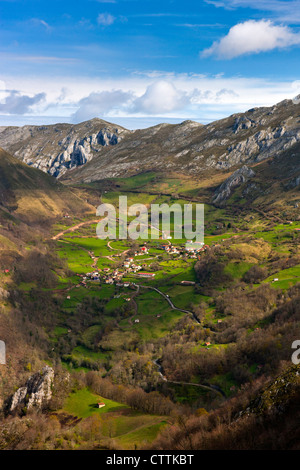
(174, 375)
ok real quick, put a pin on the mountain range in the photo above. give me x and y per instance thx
(96, 149)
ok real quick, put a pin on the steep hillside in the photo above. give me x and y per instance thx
(33, 196)
(55, 149)
(270, 421)
(274, 182)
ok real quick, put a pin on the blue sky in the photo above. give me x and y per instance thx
(139, 62)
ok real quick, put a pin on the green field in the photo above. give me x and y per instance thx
(129, 429)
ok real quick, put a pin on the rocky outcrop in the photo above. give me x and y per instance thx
(193, 149)
(241, 123)
(37, 391)
(239, 177)
(96, 149)
(59, 148)
(276, 396)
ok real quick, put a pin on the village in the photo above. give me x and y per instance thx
(131, 267)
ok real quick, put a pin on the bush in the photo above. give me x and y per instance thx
(255, 275)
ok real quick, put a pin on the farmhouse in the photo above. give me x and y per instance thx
(165, 247)
(100, 405)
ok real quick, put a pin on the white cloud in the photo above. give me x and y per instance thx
(15, 103)
(161, 97)
(186, 96)
(101, 104)
(252, 37)
(105, 19)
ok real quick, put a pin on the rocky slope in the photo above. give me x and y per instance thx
(96, 150)
(276, 396)
(192, 149)
(55, 149)
(37, 391)
(237, 178)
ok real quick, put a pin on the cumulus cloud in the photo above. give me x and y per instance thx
(161, 97)
(252, 37)
(105, 19)
(15, 103)
(101, 104)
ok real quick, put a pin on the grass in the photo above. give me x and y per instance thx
(83, 404)
(286, 278)
(255, 239)
(130, 429)
(83, 352)
(237, 269)
(142, 435)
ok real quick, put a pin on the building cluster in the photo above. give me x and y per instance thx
(129, 266)
(192, 249)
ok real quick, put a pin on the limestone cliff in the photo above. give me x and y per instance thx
(37, 391)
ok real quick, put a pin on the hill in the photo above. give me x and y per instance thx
(192, 149)
(30, 195)
(96, 149)
(57, 148)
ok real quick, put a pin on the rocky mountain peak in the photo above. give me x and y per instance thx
(96, 149)
(61, 147)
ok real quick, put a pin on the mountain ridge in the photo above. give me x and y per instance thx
(96, 149)
(56, 148)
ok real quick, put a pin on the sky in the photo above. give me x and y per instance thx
(141, 62)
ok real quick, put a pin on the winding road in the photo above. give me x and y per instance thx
(213, 388)
(167, 298)
(74, 227)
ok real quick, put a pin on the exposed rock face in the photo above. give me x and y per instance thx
(239, 177)
(37, 391)
(95, 150)
(56, 149)
(190, 148)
